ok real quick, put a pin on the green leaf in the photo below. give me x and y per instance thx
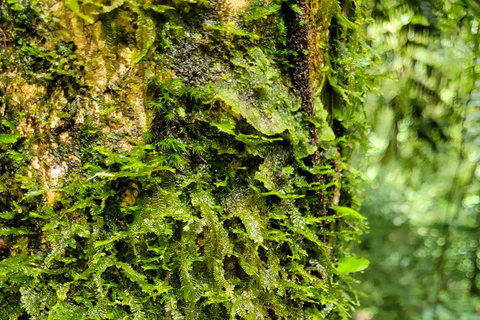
(9, 138)
(13, 231)
(7, 215)
(116, 237)
(295, 8)
(36, 215)
(345, 22)
(326, 134)
(313, 314)
(158, 8)
(227, 125)
(221, 184)
(259, 11)
(102, 174)
(75, 7)
(351, 264)
(283, 196)
(113, 5)
(145, 36)
(10, 125)
(345, 211)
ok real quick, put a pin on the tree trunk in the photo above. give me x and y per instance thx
(178, 160)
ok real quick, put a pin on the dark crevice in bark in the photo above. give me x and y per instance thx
(298, 29)
(298, 41)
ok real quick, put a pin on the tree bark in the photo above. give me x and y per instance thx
(177, 159)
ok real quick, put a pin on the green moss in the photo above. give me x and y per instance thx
(254, 91)
(215, 214)
(260, 10)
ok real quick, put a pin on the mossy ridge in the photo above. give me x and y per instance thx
(213, 217)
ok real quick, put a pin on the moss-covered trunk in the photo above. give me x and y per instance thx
(178, 159)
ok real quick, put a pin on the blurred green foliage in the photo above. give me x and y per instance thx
(422, 195)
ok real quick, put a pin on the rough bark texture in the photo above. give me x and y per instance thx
(177, 159)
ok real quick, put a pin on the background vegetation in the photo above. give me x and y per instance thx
(422, 197)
